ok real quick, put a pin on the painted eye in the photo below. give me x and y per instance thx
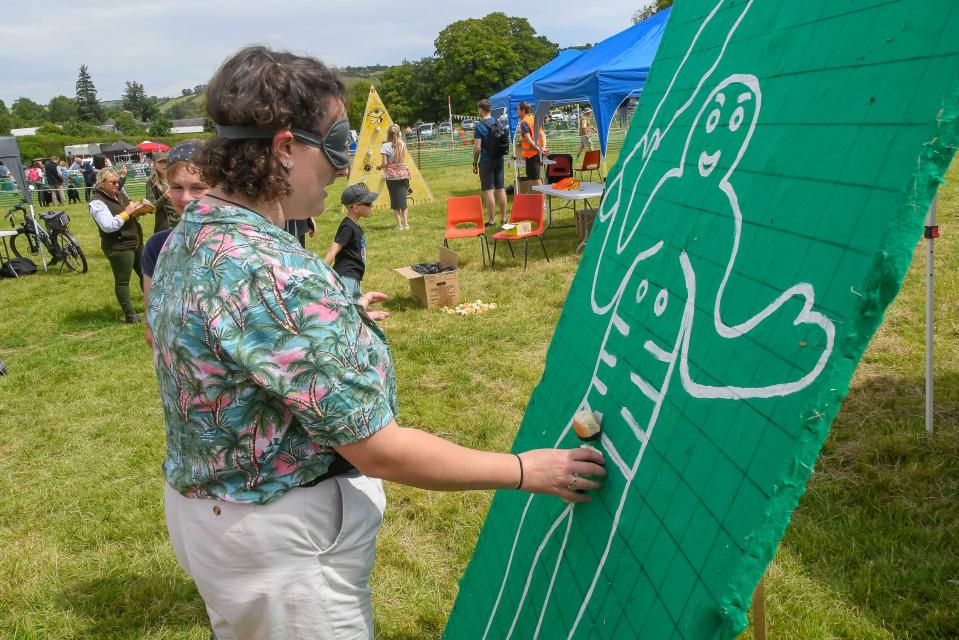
(712, 120)
(737, 118)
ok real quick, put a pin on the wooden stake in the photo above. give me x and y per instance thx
(759, 610)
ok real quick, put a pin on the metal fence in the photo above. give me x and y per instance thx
(135, 187)
(427, 154)
(447, 153)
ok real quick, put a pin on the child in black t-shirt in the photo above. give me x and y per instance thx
(347, 254)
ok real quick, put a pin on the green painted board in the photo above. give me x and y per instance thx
(763, 212)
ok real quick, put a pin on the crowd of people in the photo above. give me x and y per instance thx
(276, 379)
(57, 182)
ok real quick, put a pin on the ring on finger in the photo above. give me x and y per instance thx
(573, 484)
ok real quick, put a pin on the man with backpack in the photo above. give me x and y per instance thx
(490, 144)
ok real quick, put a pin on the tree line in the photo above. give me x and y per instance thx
(472, 59)
(80, 116)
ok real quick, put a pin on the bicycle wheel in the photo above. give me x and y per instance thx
(29, 248)
(70, 252)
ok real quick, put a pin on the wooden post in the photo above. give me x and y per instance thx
(932, 232)
(759, 610)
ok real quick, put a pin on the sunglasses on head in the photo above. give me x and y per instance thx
(333, 145)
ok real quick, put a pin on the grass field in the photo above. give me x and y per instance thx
(873, 551)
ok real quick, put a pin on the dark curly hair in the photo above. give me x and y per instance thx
(271, 89)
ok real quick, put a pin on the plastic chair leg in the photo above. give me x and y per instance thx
(510, 245)
(493, 262)
(525, 253)
(542, 244)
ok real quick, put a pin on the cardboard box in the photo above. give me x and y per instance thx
(520, 228)
(435, 290)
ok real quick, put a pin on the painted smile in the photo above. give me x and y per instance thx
(707, 162)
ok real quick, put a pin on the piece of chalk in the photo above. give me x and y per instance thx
(586, 426)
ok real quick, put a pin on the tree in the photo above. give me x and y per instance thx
(88, 107)
(356, 97)
(650, 10)
(49, 129)
(61, 109)
(186, 92)
(396, 89)
(136, 101)
(127, 124)
(160, 126)
(28, 113)
(200, 88)
(6, 122)
(477, 57)
(80, 129)
(209, 126)
(176, 111)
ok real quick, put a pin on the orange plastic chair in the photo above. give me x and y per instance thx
(526, 206)
(467, 210)
(591, 163)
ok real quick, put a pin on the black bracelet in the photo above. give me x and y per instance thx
(519, 485)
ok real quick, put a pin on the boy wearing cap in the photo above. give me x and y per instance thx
(347, 254)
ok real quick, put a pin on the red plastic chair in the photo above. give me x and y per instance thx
(526, 206)
(562, 167)
(467, 210)
(591, 163)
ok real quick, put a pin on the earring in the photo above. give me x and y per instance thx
(287, 164)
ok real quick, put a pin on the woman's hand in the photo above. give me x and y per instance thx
(555, 471)
(130, 208)
(372, 297)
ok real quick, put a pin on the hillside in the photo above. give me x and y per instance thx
(189, 106)
(193, 105)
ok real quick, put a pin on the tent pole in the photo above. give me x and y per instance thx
(604, 148)
(758, 609)
(931, 233)
(36, 231)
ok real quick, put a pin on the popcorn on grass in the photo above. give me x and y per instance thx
(469, 308)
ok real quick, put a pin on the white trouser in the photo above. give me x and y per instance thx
(298, 567)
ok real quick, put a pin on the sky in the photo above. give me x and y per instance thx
(169, 45)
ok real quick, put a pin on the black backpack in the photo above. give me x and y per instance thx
(496, 140)
(17, 267)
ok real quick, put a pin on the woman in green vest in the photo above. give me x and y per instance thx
(121, 236)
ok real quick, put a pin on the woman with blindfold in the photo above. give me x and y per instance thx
(278, 390)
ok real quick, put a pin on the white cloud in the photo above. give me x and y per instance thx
(171, 44)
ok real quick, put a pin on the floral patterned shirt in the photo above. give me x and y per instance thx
(264, 361)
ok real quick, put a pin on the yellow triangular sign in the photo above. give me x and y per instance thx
(376, 121)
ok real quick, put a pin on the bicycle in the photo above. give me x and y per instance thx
(58, 241)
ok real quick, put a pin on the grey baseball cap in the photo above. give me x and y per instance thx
(358, 193)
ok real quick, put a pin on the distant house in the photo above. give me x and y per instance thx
(187, 125)
(109, 126)
(26, 131)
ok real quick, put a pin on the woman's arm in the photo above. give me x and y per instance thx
(419, 459)
(106, 220)
(335, 248)
(384, 160)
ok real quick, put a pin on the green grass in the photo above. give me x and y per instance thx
(872, 552)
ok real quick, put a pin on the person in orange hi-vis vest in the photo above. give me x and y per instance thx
(531, 151)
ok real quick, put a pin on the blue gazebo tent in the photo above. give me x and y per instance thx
(509, 98)
(605, 75)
